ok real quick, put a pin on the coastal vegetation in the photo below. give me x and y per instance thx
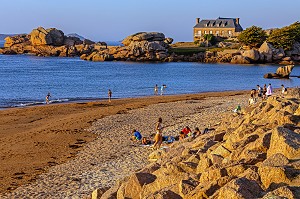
(253, 36)
(285, 37)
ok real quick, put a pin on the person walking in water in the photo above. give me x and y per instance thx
(158, 135)
(48, 98)
(155, 89)
(162, 89)
(109, 95)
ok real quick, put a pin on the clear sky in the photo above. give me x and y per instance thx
(113, 20)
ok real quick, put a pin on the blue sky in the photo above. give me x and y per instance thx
(111, 20)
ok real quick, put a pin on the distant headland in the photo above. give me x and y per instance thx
(250, 46)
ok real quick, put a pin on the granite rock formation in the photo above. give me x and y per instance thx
(254, 154)
(282, 72)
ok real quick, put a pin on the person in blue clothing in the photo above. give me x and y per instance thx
(137, 136)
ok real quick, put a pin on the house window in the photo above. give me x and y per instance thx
(205, 32)
(210, 32)
(198, 33)
(229, 32)
(222, 33)
(217, 33)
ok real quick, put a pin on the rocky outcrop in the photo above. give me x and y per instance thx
(142, 46)
(281, 72)
(252, 54)
(253, 155)
(42, 36)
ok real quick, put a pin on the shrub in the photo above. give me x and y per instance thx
(210, 38)
(285, 37)
(253, 36)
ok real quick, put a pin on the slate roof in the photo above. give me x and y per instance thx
(219, 23)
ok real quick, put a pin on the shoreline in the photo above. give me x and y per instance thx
(95, 100)
(34, 139)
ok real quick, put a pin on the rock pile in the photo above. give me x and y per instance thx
(254, 155)
(46, 42)
(144, 46)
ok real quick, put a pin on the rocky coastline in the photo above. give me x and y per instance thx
(140, 47)
(250, 155)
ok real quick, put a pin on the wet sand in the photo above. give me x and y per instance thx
(35, 139)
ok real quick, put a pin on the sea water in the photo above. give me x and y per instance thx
(26, 80)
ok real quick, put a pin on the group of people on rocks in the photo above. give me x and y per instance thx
(159, 138)
(263, 93)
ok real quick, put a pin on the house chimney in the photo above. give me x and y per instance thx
(237, 20)
(197, 20)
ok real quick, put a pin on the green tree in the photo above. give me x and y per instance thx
(210, 38)
(285, 37)
(253, 36)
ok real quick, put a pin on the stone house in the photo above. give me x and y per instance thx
(221, 27)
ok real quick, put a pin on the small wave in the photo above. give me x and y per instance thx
(39, 103)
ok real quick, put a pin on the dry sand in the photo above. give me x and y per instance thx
(67, 150)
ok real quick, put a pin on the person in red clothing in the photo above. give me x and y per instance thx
(186, 131)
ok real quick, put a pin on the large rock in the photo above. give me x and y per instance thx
(295, 50)
(286, 142)
(144, 36)
(240, 188)
(239, 59)
(282, 72)
(285, 71)
(42, 36)
(252, 54)
(266, 50)
(135, 184)
(284, 192)
(18, 39)
(274, 177)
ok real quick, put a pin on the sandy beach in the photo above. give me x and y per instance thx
(67, 150)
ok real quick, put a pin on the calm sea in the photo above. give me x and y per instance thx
(26, 80)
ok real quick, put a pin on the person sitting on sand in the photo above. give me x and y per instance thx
(136, 135)
(197, 132)
(145, 141)
(283, 90)
(181, 135)
(237, 109)
(187, 131)
(158, 135)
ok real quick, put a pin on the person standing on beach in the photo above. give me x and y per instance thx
(155, 89)
(259, 91)
(158, 135)
(48, 98)
(264, 91)
(109, 95)
(269, 91)
(162, 89)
